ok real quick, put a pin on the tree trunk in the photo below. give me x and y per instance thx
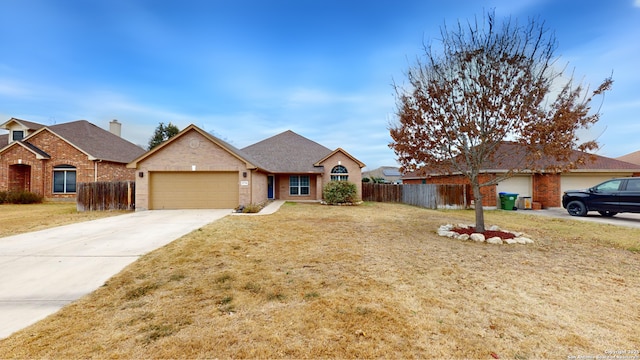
(477, 200)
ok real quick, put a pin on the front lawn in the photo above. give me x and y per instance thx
(16, 219)
(375, 280)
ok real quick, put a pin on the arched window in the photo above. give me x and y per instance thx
(339, 173)
(64, 179)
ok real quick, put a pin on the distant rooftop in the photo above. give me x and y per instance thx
(391, 172)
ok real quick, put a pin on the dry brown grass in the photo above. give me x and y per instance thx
(17, 219)
(371, 281)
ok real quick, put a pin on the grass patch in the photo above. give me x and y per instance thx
(17, 219)
(371, 281)
(311, 295)
(140, 291)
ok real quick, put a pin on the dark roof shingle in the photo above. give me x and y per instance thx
(29, 124)
(288, 152)
(97, 142)
(509, 155)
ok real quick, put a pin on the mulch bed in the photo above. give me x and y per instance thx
(487, 233)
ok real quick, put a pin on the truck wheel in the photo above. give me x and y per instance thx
(576, 208)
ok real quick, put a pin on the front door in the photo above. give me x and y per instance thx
(270, 184)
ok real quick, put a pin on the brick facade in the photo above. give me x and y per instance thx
(195, 149)
(194, 152)
(353, 171)
(546, 190)
(17, 162)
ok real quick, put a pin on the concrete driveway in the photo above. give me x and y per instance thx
(624, 219)
(42, 271)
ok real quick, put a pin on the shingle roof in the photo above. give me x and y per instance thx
(35, 149)
(29, 124)
(4, 140)
(288, 152)
(97, 142)
(509, 155)
(633, 158)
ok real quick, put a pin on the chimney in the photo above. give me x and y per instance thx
(115, 127)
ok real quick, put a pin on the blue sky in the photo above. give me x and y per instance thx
(245, 70)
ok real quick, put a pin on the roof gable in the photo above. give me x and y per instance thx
(93, 141)
(39, 154)
(340, 150)
(288, 152)
(239, 154)
(23, 123)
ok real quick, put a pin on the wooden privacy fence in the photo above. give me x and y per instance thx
(118, 195)
(432, 196)
(382, 192)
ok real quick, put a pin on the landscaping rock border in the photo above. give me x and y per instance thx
(447, 231)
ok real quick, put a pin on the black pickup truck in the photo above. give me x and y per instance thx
(608, 198)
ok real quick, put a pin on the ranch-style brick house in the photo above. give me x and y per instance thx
(195, 169)
(544, 187)
(51, 160)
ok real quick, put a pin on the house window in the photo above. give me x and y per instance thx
(339, 173)
(298, 185)
(64, 179)
(17, 135)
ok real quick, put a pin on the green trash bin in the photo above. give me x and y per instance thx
(508, 201)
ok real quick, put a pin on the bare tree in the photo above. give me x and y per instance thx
(485, 85)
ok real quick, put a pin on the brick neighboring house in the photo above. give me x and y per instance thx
(544, 187)
(195, 169)
(51, 160)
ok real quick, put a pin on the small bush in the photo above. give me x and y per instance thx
(340, 192)
(20, 197)
(252, 208)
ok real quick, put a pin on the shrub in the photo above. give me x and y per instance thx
(19, 197)
(340, 192)
(252, 208)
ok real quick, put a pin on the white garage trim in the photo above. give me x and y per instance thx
(519, 184)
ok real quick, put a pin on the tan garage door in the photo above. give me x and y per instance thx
(193, 190)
